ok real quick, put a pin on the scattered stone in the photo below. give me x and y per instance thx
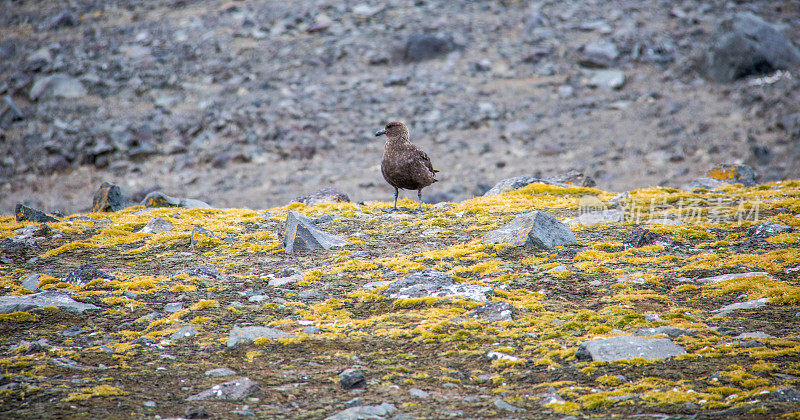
(598, 217)
(352, 378)
(435, 283)
(790, 123)
(156, 225)
(311, 330)
(60, 300)
(375, 412)
(492, 355)
(25, 213)
(598, 55)
(640, 237)
(200, 234)
(237, 389)
(365, 11)
(750, 304)
(207, 271)
(184, 332)
(627, 347)
(606, 79)
(302, 235)
(246, 335)
(767, 229)
(285, 281)
(425, 46)
(747, 45)
(173, 307)
(325, 195)
(418, 393)
(57, 85)
(494, 311)
(85, 274)
(504, 406)
(669, 331)
(724, 174)
(396, 80)
(159, 199)
(220, 372)
(753, 335)
(785, 395)
(31, 282)
(108, 198)
(62, 20)
(725, 277)
(72, 332)
(535, 229)
(196, 413)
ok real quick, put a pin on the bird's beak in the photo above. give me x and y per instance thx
(380, 133)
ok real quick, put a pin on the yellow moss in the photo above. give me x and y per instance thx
(18, 316)
(120, 300)
(67, 247)
(96, 391)
(566, 407)
(758, 287)
(203, 304)
(685, 288)
(762, 366)
(609, 380)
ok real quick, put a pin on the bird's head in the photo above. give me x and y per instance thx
(394, 129)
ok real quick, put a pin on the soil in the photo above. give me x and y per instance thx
(251, 104)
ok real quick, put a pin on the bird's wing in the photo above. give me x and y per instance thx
(423, 157)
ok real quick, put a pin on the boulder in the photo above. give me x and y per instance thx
(627, 347)
(535, 229)
(302, 235)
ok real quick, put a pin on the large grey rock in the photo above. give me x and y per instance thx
(302, 235)
(494, 311)
(640, 237)
(85, 274)
(60, 300)
(156, 225)
(569, 179)
(667, 330)
(237, 389)
(246, 335)
(31, 282)
(746, 45)
(501, 404)
(325, 195)
(607, 79)
(598, 217)
(767, 229)
(424, 46)
(108, 197)
(739, 306)
(628, 347)
(159, 199)
(352, 378)
(535, 229)
(724, 277)
(598, 54)
(185, 332)
(25, 213)
(435, 283)
(57, 85)
(364, 412)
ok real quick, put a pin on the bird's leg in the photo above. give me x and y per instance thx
(419, 196)
(396, 192)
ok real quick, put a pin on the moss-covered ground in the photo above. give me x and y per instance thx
(600, 289)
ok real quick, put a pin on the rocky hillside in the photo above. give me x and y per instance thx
(543, 301)
(253, 103)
